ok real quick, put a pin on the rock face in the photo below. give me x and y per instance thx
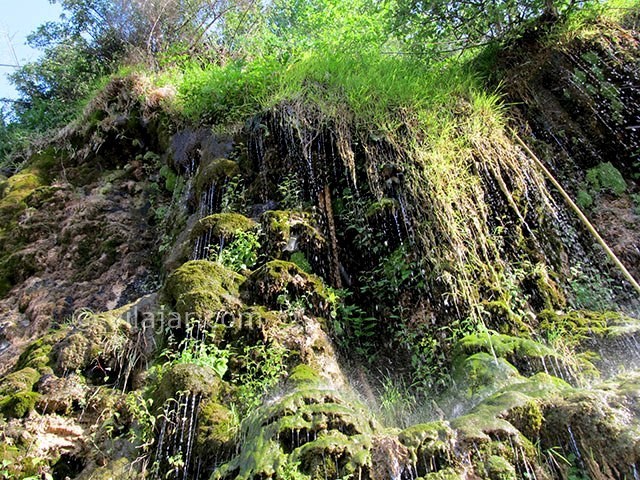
(284, 270)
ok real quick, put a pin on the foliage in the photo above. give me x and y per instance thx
(233, 198)
(202, 352)
(355, 330)
(242, 252)
(606, 177)
(263, 365)
(397, 402)
(142, 433)
(291, 192)
(591, 290)
(438, 26)
(301, 261)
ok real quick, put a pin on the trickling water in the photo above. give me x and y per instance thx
(574, 444)
(176, 437)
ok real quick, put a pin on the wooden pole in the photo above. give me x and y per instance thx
(581, 215)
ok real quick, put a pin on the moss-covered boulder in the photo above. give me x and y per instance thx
(19, 404)
(217, 431)
(301, 428)
(222, 226)
(97, 345)
(213, 172)
(527, 355)
(197, 380)
(290, 231)
(480, 375)
(278, 284)
(201, 290)
(16, 393)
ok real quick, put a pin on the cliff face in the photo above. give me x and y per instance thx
(301, 297)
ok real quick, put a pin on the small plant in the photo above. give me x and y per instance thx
(234, 195)
(144, 422)
(242, 252)
(291, 193)
(198, 351)
(263, 367)
(397, 402)
(608, 178)
(590, 289)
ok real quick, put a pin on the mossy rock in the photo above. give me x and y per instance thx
(94, 345)
(499, 468)
(299, 428)
(278, 278)
(19, 381)
(222, 226)
(201, 289)
(431, 445)
(38, 354)
(481, 374)
(489, 419)
(290, 231)
(199, 380)
(214, 172)
(527, 355)
(303, 375)
(217, 429)
(17, 398)
(18, 405)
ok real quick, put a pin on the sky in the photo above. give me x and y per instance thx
(18, 19)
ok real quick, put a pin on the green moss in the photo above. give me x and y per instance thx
(301, 261)
(217, 428)
(21, 380)
(201, 289)
(38, 355)
(279, 226)
(18, 405)
(223, 225)
(277, 277)
(481, 374)
(303, 375)
(301, 428)
(500, 469)
(527, 418)
(578, 325)
(187, 377)
(446, 474)
(527, 355)
(214, 172)
(606, 177)
(432, 441)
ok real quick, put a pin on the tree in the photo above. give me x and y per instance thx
(442, 25)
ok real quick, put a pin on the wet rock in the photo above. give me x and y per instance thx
(202, 290)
